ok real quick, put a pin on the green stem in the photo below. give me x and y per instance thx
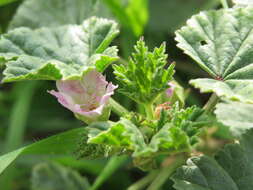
(149, 111)
(213, 100)
(117, 108)
(166, 172)
(19, 115)
(141, 184)
(113, 164)
(24, 92)
(224, 4)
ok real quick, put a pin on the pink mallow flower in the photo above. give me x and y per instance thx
(87, 98)
(170, 90)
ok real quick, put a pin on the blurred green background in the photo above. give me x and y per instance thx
(28, 113)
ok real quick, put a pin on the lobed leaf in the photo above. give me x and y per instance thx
(121, 134)
(221, 42)
(52, 13)
(237, 116)
(231, 169)
(60, 53)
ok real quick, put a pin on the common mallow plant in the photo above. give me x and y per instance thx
(165, 134)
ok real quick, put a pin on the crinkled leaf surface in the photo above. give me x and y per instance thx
(231, 169)
(62, 144)
(221, 42)
(52, 13)
(121, 134)
(171, 137)
(237, 116)
(52, 176)
(144, 77)
(64, 52)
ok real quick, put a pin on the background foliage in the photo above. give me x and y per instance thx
(28, 113)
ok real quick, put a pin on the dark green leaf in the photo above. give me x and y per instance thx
(231, 169)
(64, 52)
(221, 43)
(51, 13)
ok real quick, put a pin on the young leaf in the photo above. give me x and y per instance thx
(221, 43)
(51, 13)
(64, 52)
(62, 144)
(237, 116)
(145, 76)
(52, 176)
(231, 169)
(122, 134)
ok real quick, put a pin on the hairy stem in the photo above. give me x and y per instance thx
(113, 164)
(142, 183)
(171, 165)
(213, 100)
(117, 108)
(149, 111)
(224, 4)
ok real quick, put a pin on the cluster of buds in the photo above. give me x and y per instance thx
(87, 98)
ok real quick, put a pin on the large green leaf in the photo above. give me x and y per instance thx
(221, 42)
(52, 13)
(61, 144)
(231, 169)
(52, 176)
(64, 52)
(237, 116)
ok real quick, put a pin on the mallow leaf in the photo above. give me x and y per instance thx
(232, 168)
(171, 136)
(53, 176)
(60, 53)
(144, 77)
(62, 144)
(51, 13)
(121, 134)
(236, 115)
(221, 42)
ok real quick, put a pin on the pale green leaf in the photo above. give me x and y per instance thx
(52, 176)
(239, 90)
(243, 2)
(231, 169)
(64, 52)
(221, 42)
(61, 144)
(237, 116)
(121, 134)
(52, 13)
